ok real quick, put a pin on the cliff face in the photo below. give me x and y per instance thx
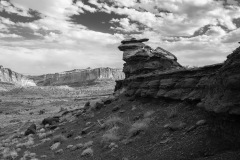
(9, 76)
(215, 88)
(79, 77)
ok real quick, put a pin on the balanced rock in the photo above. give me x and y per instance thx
(141, 58)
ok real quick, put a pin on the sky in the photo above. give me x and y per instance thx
(48, 36)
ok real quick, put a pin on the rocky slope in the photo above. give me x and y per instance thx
(215, 87)
(79, 77)
(9, 76)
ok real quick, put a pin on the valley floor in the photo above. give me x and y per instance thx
(116, 128)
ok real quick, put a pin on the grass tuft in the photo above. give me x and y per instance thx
(113, 121)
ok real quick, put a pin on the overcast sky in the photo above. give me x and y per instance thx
(47, 36)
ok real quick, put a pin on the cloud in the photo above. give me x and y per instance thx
(125, 25)
(86, 7)
(232, 37)
(55, 9)
(232, 2)
(2, 35)
(216, 31)
(174, 17)
(9, 8)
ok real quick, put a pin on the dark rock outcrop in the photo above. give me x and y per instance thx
(9, 76)
(141, 59)
(79, 77)
(215, 88)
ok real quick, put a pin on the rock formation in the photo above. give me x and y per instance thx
(156, 74)
(79, 77)
(9, 76)
(141, 58)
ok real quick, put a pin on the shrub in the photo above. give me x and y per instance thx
(87, 152)
(111, 135)
(138, 126)
(9, 154)
(27, 144)
(113, 121)
(59, 138)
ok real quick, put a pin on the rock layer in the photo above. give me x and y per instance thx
(79, 77)
(9, 76)
(215, 88)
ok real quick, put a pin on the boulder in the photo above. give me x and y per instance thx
(99, 105)
(174, 126)
(50, 120)
(31, 130)
(87, 104)
(165, 53)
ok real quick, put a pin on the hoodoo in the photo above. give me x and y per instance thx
(141, 58)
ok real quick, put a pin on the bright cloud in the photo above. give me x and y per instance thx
(125, 25)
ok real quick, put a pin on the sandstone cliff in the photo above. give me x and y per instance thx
(9, 76)
(156, 74)
(79, 77)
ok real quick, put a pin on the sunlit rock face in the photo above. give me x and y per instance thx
(140, 58)
(9, 76)
(156, 74)
(79, 77)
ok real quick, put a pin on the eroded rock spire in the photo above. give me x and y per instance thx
(141, 58)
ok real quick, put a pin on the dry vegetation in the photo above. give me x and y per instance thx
(113, 128)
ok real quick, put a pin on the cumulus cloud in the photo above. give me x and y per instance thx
(216, 31)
